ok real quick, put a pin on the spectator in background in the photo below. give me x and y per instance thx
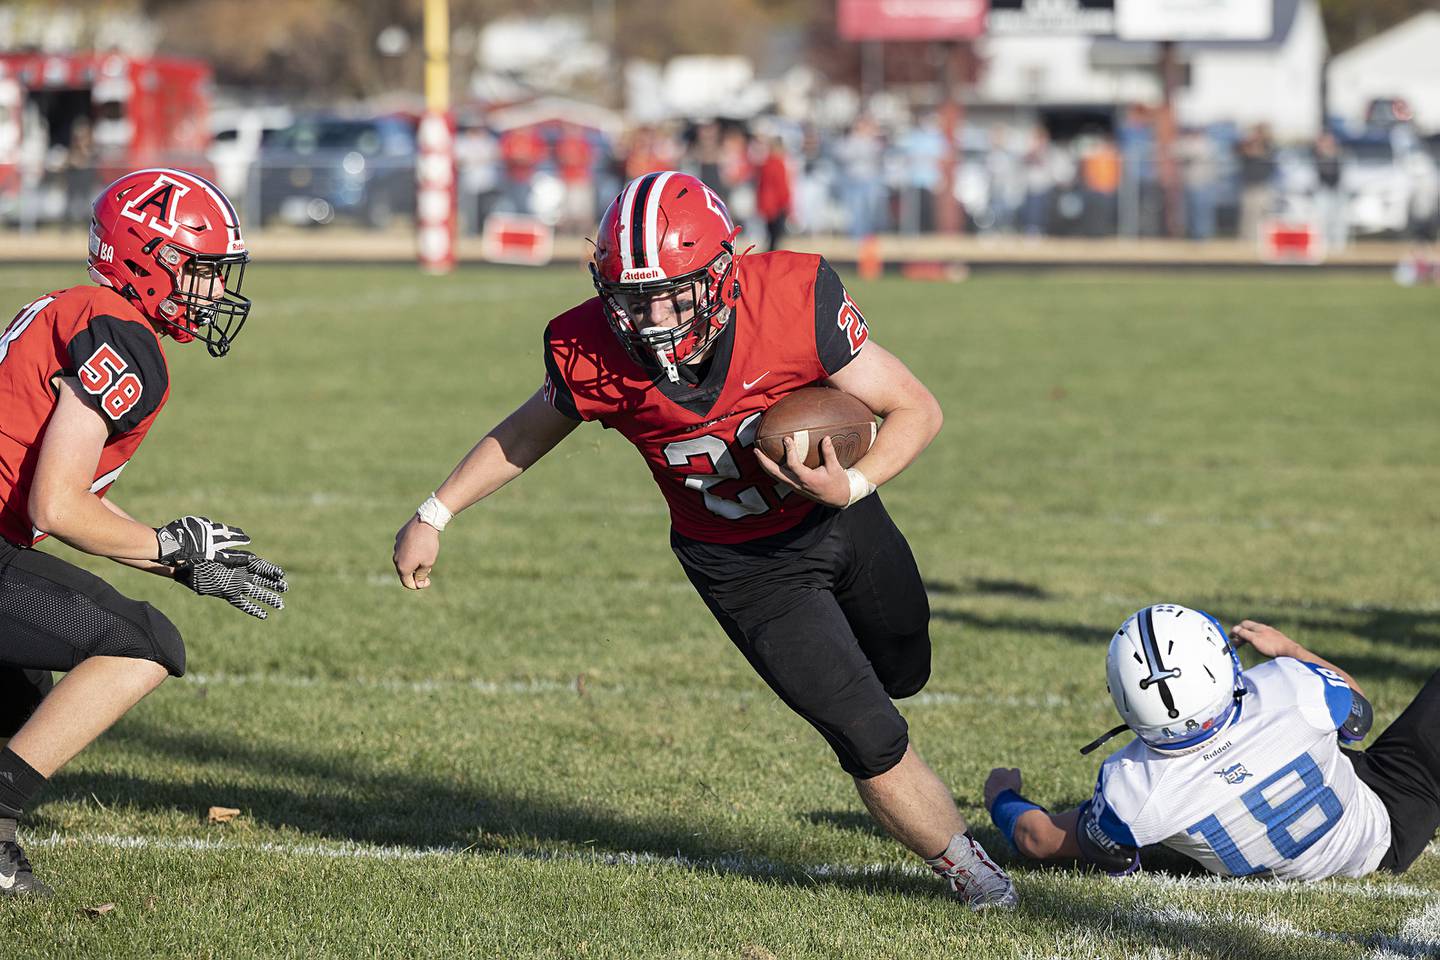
(923, 147)
(1006, 180)
(1329, 198)
(1257, 169)
(737, 173)
(1100, 183)
(1200, 172)
(477, 161)
(704, 158)
(80, 180)
(646, 150)
(772, 192)
(861, 154)
(522, 150)
(575, 162)
(1039, 174)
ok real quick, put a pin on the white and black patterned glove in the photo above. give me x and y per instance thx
(190, 539)
(239, 586)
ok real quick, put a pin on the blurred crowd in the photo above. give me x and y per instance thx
(1006, 178)
(780, 178)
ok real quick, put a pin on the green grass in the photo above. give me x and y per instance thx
(556, 752)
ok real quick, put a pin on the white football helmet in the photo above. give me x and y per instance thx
(1173, 675)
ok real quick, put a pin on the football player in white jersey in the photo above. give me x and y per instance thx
(1240, 770)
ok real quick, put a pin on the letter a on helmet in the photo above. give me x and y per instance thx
(169, 241)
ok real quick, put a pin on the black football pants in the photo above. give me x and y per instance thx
(836, 632)
(53, 615)
(1402, 766)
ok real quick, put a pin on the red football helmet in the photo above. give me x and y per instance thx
(169, 242)
(666, 251)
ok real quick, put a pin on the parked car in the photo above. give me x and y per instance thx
(1391, 185)
(327, 167)
(236, 136)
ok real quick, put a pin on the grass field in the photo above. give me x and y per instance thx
(556, 752)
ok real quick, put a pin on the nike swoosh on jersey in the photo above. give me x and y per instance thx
(751, 383)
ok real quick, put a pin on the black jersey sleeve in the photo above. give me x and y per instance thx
(840, 329)
(556, 391)
(1098, 847)
(121, 370)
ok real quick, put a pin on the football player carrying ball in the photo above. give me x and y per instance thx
(685, 346)
(82, 378)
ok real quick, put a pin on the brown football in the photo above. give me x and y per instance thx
(811, 414)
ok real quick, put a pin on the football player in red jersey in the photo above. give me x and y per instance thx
(82, 378)
(682, 351)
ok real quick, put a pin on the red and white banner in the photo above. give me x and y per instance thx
(435, 192)
(912, 19)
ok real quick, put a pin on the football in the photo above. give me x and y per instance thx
(811, 414)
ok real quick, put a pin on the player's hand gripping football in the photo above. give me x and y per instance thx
(417, 545)
(190, 539)
(240, 586)
(827, 483)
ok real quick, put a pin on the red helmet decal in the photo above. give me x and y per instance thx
(169, 241)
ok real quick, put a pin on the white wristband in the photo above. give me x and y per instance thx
(435, 513)
(860, 487)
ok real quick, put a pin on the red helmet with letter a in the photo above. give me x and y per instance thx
(169, 241)
(666, 269)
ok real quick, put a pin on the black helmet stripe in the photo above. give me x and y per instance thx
(637, 220)
(1158, 672)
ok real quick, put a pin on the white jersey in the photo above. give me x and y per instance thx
(1270, 793)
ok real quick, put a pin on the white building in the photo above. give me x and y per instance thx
(1276, 81)
(1404, 61)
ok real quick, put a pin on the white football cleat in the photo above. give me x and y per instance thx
(973, 878)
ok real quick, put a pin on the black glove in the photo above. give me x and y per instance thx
(239, 586)
(191, 539)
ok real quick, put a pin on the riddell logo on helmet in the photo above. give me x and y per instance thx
(640, 274)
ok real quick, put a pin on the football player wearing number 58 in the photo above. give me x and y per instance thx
(82, 378)
(687, 343)
(1241, 771)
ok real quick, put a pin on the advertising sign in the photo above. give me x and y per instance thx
(912, 19)
(1052, 16)
(1194, 19)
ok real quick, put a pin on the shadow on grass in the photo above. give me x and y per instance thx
(985, 587)
(1170, 929)
(335, 798)
(1380, 626)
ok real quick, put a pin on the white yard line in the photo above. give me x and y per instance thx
(730, 863)
(1419, 936)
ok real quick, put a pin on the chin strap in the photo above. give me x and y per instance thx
(1104, 738)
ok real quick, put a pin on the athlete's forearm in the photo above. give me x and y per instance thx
(149, 566)
(82, 520)
(507, 451)
(1306, 656)
(1041, 835)
(904, 433)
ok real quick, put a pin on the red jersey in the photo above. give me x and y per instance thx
(793, 326)
(91, 333)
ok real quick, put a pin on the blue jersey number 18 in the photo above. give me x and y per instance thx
(1277, 819)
